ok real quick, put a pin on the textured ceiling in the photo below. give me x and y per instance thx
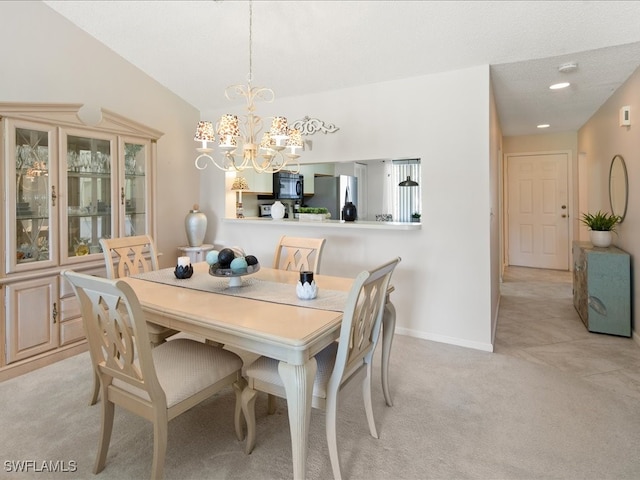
(196, 49)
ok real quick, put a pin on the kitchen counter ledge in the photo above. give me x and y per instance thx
(327, 223)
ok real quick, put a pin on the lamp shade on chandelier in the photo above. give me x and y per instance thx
(237, 136)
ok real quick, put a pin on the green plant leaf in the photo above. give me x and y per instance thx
(601, 221)
(313, 210)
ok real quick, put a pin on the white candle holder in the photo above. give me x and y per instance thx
(307, 291)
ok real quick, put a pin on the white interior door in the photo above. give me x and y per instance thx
(538, 210)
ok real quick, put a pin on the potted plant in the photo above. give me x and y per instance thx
(415, 217)
(313, 214)
(601, 226)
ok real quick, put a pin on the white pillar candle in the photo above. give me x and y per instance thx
(184, 261)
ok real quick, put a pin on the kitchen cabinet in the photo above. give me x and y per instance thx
(602, 288)
(310, 171)
(260, 183)
(66, 185)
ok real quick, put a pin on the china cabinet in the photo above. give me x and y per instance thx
(66, 185)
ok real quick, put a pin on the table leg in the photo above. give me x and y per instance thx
(298, 384)
(388, 328)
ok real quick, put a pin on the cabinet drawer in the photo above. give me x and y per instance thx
(71, 331)
(66, 290)
(69, 308)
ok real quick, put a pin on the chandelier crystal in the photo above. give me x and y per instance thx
(238, 143)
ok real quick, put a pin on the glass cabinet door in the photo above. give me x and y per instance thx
(32, 196)
(134, 190)
(89, 194)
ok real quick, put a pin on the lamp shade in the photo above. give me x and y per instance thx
(266, 142)
(408, 183)
(295, 138)
(240, 183)
(279, 128)
(229, 125)
(204, 132)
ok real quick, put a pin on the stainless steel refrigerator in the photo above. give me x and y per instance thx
(333, 192)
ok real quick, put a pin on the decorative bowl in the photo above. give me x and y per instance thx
(234, 276)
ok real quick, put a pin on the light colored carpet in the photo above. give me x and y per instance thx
(458, 414)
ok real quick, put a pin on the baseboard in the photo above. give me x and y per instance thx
(485, 347)
(636, 337)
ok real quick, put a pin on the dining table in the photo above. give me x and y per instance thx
(264, 316)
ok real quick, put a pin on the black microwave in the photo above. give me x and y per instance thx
(287, 185)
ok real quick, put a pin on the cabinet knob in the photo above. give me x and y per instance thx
(53, 196)
(122, 196)
(55, 312)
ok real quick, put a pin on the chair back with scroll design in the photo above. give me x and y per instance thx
(156, 383)
(338, 364)
(299, 254)
(127, 256)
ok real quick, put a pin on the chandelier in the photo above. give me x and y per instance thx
(278, 147)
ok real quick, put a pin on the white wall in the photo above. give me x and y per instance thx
(599, 140)
(45, 58)
(443, 284)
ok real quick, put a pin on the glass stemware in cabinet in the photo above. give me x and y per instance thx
(88, 194)
(32, 195)
(134, 190)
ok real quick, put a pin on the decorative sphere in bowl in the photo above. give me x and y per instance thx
(225, 257)
(212, 257)
(239, 265)
(183, 271)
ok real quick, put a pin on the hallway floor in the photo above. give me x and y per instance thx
(537, 322)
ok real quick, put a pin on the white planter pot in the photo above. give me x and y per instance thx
(600, 238)
(312, 217)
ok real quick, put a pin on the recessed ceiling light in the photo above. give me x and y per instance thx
(557, 86)
(543, 125)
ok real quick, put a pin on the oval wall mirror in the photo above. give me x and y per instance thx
(618, 187)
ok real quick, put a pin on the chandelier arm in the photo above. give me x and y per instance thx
(228, 166)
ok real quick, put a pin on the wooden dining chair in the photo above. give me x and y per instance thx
(338, 364)
(156, 383)
(129, 256)
(298, 253)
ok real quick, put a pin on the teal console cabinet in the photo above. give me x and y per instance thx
(602, 288)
